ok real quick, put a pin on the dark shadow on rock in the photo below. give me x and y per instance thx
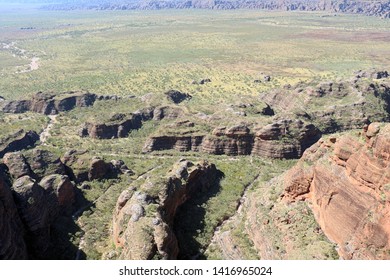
(61, 246)
(189, 221)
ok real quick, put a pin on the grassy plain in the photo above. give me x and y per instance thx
(137, 52)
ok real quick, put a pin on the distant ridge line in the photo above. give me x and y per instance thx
(371, 8)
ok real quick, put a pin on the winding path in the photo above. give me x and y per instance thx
(18, 52)
(45, 134)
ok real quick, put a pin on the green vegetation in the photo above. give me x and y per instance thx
(11, 124)
(291, 229)
(137, 52)
(139, 55)
(196, 220)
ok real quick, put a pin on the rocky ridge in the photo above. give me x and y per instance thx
(345, 105)
(296, 121)
(49, 103)
(119, 125)
(239, 140)
(18, 141)
(37, 190)
(371, 8)
(44, 188)
(345, 180)
(143, 218)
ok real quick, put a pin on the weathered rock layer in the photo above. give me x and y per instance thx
(120, 125)
(281, 139)
(13, 245)
(346, 181)
(49, 103)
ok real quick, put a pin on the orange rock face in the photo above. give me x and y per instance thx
(347, 184)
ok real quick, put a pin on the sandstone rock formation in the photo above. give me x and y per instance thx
(144, 217)
(36, 190)
(34, 211)
(119, 126)
(41, 193)
(17, 165)
(343, 105)
(80, 167)
(346, 182)
(18, 141)
(49, 103)
(61, 191)
(282, 139)
(112, 129)
(285, 139)
(44, 163)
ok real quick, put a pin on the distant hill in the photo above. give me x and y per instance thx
(372, 8)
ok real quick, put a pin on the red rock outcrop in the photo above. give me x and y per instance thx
(285, 139)
(281, 139)
(346, 181)
(50, 103)
(120, 125)
(82, 167)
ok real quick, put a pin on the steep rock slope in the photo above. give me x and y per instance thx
(18, 141)
(346, 181)
(38, 193)
(285, 138)
(13, 245)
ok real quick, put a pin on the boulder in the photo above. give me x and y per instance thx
(176, 96)
(98, 169)
(204, 81)
(17, 165)
(62, 193)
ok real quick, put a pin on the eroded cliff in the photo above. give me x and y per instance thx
(346, 181)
